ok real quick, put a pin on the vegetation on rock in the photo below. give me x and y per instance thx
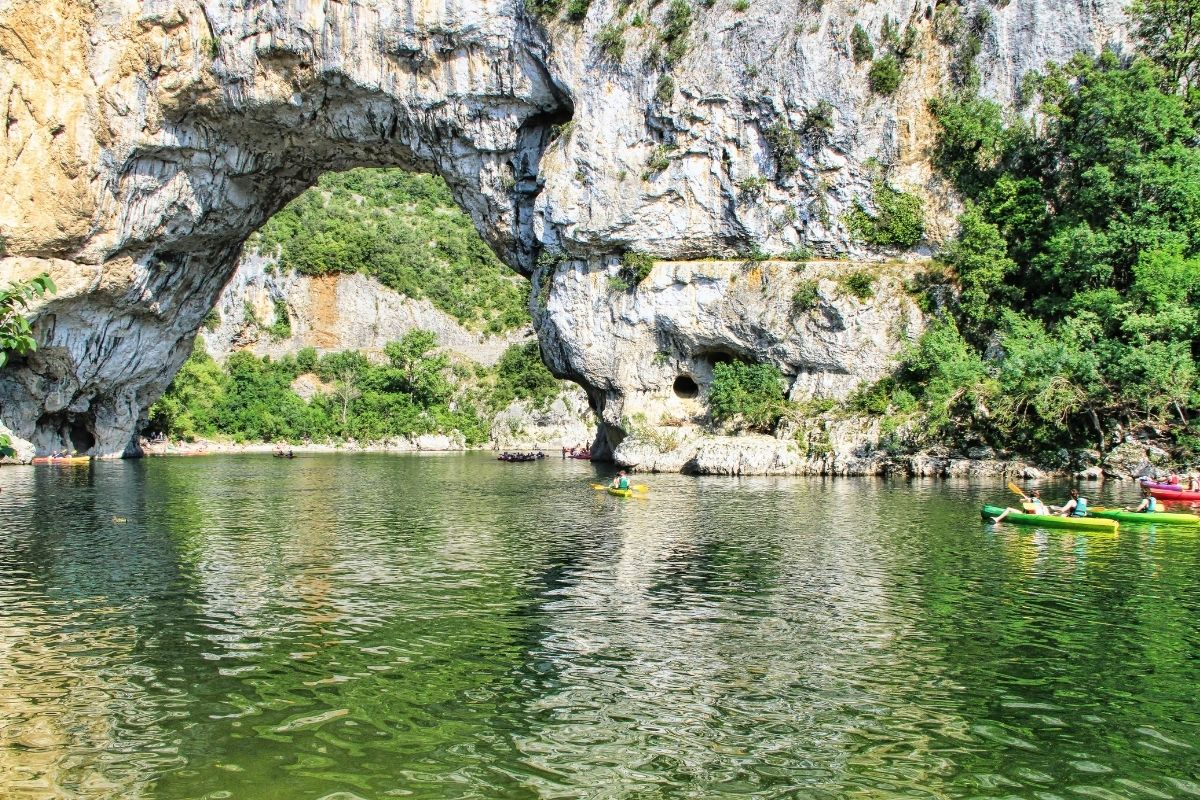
(748, 396)
(416, 391)
(16, 335)
(404, 229)
(1077, 320)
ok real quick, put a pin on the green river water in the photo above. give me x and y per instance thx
(373, 626)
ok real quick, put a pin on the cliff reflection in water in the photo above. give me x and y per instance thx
(456, 627)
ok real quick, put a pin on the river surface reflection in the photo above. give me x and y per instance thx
(453, 627)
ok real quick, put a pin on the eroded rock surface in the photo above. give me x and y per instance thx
(330, 313)
(145, 141)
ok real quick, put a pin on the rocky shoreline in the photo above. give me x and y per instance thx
(859, 456)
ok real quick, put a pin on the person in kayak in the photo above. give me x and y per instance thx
(1149, 504)
(1030, 504)
(1075, 507)
(621, 481)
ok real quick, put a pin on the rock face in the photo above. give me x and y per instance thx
(331, 313)
(145, 141)
(648, 355)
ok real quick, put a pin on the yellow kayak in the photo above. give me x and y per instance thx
(620, 492)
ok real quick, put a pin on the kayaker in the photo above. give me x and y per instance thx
(621, 481)
(1030, 504)
(1075, 507)
(1149, 504)
(1193, 482)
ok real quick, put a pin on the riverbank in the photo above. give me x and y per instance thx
(434, 443)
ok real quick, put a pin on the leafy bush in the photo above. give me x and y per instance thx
(16, 334)
(1078, 256)
(521, 374)
(885, 75)
(898, 220)
(860, 45)
(818, 120)
(806, 296)
(577, 9)
(749, 395)
(859, 284)
(636, 266)
(753, 186)
(282, 327)
(543, 9)
(785, 146)
(660, 158)
(665, 90)
(611, 41)
(678, 23)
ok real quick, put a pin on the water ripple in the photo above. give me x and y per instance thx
(370, 626)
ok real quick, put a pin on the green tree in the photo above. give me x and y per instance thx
(16, 335)
(1169, 31)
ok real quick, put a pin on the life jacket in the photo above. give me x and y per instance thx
(623, 483)
(1152, 506)
(1080, 509)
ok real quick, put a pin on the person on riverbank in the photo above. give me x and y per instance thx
(1149, 503)
(1074, 507)
(621, 481)
(1030, 504)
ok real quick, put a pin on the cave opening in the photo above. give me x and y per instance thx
(686, 388)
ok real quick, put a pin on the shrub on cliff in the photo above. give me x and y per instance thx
(885, 75)
(16, 335)
(748, 395)
(898, 221)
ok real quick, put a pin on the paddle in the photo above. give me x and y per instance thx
(1012, 487)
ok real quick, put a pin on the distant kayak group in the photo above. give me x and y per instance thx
(517, 458)
(1078, 514)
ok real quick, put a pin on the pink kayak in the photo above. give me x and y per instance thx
(1166, 487)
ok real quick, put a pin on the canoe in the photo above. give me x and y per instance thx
(1151, 518)
(67, 460)
(1051, 521)
(620, 492)
(1166, 487)
(1177, 496)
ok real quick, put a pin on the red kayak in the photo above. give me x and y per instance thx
(1175, 495)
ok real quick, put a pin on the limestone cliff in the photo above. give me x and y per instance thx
(333, 312)
(145, 141)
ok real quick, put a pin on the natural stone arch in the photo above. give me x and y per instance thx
(211, 118)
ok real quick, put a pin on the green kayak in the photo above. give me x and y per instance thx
(1152, 518)
(1051, 521)
(620, 492)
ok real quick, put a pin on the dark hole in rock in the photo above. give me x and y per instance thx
(82, 439)
(686, 387)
